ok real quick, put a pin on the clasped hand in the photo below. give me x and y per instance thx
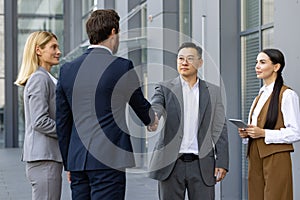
(251, 131)
(154, 125)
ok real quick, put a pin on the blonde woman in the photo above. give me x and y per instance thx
(41, 151)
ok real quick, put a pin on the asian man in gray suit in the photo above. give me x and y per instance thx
(192, 151)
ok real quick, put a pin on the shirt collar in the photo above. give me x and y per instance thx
(186, 84)
(267, 89)
(99, 46)
(52, 78)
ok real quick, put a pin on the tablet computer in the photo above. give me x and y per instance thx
(239, 123)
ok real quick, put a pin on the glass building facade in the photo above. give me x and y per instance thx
(231, 37)
(256, 34)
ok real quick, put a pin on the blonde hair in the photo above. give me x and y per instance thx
(30, 60)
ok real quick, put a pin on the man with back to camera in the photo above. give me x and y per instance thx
(192, 151)
(92, 93)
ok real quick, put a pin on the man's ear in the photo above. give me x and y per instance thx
(113, 31)
(200, 63)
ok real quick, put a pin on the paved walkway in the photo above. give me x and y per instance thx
(14, 185)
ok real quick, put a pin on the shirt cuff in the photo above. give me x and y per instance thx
(271, 136)
(245, 140)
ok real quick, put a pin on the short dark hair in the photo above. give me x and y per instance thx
(100, 24)
(191, 45)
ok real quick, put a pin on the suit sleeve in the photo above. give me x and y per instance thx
(64, 120)
(158, 100)
(220, 135)
(137, 101)
(38, 95)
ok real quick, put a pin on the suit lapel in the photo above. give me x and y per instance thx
(203, 99)
(178, 96)
(52, 84)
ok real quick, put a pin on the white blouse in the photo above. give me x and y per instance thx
(291, 116)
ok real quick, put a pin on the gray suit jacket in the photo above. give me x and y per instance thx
(212, 133)
(40, 141)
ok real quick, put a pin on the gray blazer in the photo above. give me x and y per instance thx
(40, 141)
(212, 133)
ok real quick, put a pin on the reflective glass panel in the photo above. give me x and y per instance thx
(37, 15)
(2, 80)
(267, 11)
(1, 46)
(249, 14)
(42, 7)
(2, 135)
(268, 38)
(1, 7)
(250, 88)
(185, 18)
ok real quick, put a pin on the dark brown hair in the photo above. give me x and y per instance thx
(276, 57)
(100, 24)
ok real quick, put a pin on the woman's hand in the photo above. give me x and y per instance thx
(243, 133)
(255, 132)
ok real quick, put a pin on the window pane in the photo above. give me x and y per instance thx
(1, 6)
(84, 35)
(250, 88)
(43, 7)
(268, 38)
(249, 14)
(2, 135)
(185, 18)
(87, 6)
(267, 11)
(1, 47)
(37, 15)
(250, 84)
(2, 80)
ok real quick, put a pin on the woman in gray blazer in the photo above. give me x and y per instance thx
(41, 151)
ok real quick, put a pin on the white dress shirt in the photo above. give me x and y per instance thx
(291, 116)
(189, 142)
(52, 78)
(100, 46)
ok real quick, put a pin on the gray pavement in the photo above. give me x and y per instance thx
(14, 185)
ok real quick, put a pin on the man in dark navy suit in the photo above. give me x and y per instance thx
(92, 93)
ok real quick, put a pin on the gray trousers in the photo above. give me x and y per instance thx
(186, 176)
(45, 178)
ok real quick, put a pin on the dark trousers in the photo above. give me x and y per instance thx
(105, 184)
(186, 176)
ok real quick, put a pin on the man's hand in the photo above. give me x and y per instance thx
(220, 174)
(154, 125)
(69, 176)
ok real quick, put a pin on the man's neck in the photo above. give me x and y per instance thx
(190, 80)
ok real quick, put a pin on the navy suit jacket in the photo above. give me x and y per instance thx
(91, 97)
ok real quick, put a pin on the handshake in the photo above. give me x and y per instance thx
(154, 125)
